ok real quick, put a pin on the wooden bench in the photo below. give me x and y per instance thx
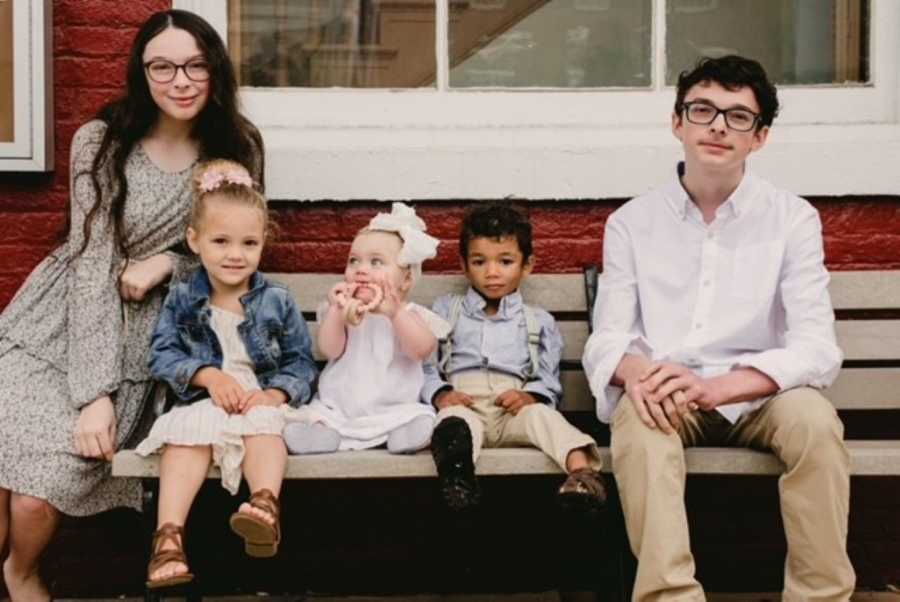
(868, 311)
(563, 295)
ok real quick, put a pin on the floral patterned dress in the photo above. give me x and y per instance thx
(67, 337)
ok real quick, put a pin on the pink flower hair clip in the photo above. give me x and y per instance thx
(212, 179)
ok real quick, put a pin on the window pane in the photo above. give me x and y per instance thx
(797, 41)
(555, 43)
(323, 43)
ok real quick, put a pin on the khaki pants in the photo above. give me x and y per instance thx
(802, 428)
(535, 425)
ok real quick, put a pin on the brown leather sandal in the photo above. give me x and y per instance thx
(583, 490)
(174, 533)
(260, 538)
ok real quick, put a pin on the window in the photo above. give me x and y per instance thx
(798, 41)
(538, 44)
(548, 99)
(557, 44)
(326, 43)
(26, 119)
(6, 72)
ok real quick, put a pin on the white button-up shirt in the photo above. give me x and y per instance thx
(749, 289)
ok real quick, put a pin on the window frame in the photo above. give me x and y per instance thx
(445, 143)
(32, 146)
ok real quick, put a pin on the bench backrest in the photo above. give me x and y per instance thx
(867, 306)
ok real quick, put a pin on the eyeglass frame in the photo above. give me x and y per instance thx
(182, 66)
(686, 106)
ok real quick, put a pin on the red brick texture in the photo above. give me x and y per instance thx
(91, 38)
(860, 233)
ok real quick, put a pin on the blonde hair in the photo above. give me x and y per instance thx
(230, 180)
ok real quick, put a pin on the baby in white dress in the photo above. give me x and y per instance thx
(375, 341)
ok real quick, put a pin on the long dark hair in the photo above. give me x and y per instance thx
(220, 128)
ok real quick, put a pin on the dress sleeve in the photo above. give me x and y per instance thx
(182, 265)
(94, 308)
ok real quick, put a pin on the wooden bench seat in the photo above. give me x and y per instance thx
(868, 310)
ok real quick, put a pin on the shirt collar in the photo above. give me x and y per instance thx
(737, 203)
(509, 305)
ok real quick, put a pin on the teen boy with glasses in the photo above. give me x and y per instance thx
(714, 325)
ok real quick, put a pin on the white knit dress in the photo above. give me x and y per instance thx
(374, 387)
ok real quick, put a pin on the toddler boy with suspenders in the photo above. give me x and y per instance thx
(496, 379)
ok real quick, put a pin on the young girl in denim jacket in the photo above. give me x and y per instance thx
(375, 342)
(235, 351)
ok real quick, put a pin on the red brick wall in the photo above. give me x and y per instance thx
(91, 38)
(861, 233)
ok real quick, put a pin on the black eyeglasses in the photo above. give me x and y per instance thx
(702, 113)
(162, 71)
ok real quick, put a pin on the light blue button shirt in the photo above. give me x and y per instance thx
(498, 343)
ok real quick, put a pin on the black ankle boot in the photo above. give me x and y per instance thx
(451, 448)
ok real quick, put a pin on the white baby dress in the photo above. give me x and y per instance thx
(374, 387)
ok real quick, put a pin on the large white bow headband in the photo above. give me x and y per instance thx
(417, 246)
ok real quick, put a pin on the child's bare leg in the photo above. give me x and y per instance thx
(32, 522)
(182, 471)
(265, 458)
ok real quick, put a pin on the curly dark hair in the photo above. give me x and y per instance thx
(220, 128)
(732, 72)
(496, 220)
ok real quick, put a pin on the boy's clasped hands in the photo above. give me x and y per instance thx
(663, 392)
(511, 400)
(227, 393)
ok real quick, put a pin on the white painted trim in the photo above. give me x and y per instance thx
(214, 11)
(536, 144)
(558, 163)
(442, 44)
(32, 148)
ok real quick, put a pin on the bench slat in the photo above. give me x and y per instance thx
(849, 290)
(859, 339)
(876, 289)
(866, 389)
(574, 335)
(869, 339)
(554, 292)
(854, 389)
(869, 458)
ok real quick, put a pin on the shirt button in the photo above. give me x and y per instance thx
(710, 235)
(698, 326)
(706, 283)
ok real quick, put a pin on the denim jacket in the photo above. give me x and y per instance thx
(273, 331)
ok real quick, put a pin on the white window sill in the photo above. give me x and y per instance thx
(378, 163)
